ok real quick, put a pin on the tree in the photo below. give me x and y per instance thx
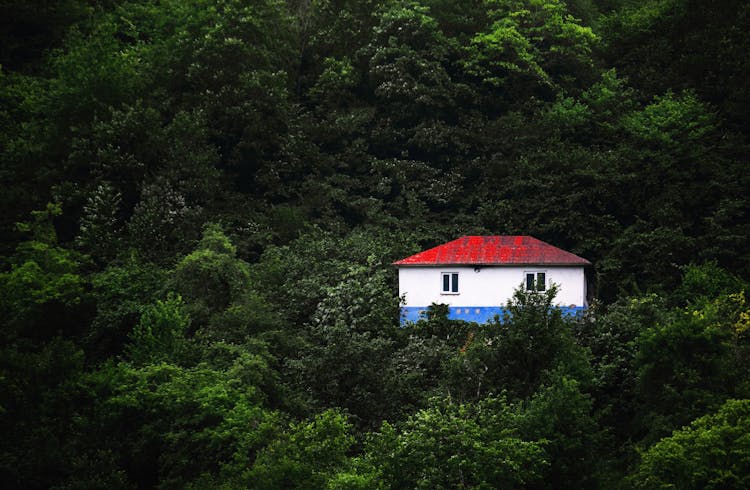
(682, 44)
(455, 445)
(38, 397)
(711, 452)
(562, 415)
(351, 338)
(217, 288)
(304, 456)
(121, 292)
(159, 333)
(609, 333)
(168, 425)
(704, 283)
(31, 29)
(683, 372)
(100, 231)
(530, 345)
(531, 49)
(44, 293)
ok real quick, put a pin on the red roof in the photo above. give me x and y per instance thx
(494, 250)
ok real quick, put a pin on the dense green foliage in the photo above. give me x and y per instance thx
(201, 200)
(709, 453)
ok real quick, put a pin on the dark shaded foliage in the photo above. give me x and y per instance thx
(209, 301)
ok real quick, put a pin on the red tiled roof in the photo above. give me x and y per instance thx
(494, 250)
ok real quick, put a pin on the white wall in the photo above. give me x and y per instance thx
(491, 286)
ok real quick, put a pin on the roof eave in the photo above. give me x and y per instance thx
(479, 264)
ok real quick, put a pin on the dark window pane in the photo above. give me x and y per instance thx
(455, 283)
(446, 283)
(529, 282)
(541, 281)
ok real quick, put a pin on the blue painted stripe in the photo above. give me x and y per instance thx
(477, 314)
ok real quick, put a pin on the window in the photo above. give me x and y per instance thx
(536, 281)
(450, 282)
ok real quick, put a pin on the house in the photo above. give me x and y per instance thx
(476, 275)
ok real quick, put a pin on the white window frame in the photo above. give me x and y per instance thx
(536, 273)
(453, 282)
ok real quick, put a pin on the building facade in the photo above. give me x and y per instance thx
(476, 275)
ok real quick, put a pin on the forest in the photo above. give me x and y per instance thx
(202, 200)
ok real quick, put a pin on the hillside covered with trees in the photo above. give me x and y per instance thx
(202, 199)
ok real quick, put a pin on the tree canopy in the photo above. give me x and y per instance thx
(202, 199)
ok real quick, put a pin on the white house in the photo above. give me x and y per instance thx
(476, 275)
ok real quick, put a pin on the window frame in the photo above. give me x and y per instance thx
(536, 273)
(453, 283)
